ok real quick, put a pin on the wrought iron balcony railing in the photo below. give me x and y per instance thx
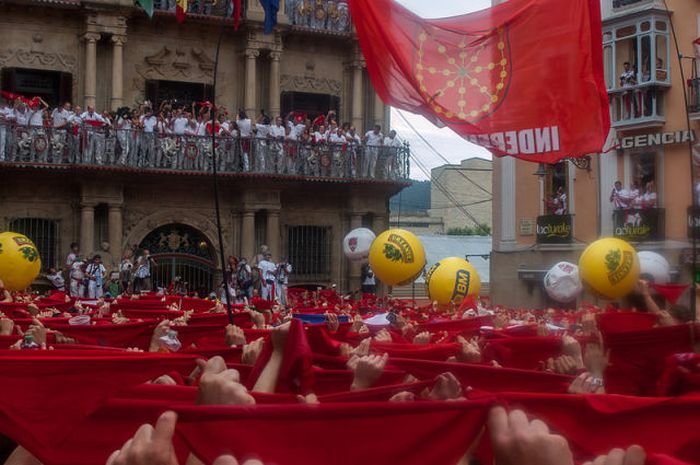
(110, 148)
(320, 15)
(217, 8)
(637, 106)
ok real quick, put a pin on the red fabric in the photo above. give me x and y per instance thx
(637, 358)
(432, 432)
(43, 394)
(550, 77)
(236, 14)
(681, 375)
(522, 352)
(617, 322)
(671, 292)
(127, 335)
(295, 373)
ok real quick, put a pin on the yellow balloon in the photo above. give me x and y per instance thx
(19, 261)
(451, 280)
(397, 257)
(610, 267)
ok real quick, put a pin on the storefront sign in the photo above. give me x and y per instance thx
(554, 229)
(527, 227)
(693, 222)
(639, 225)
(658, 138)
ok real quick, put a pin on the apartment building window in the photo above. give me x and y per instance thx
(640, 46)
(309, 251)
(45, 235)
(556, 189)
(644, 175)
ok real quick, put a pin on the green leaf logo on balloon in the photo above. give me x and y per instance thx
(29, 253)
(392, 253)
(612, 259)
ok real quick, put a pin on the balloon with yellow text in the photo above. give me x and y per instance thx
(397, 257)
(610, 267)
(19, 261)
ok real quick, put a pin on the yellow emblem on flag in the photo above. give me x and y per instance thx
(462, 78)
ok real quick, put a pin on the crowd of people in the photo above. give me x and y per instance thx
(636, 197)
(385, 371)
(176, 136)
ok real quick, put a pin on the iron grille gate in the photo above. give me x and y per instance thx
(45, 235)
(197, 273)
(309, 250)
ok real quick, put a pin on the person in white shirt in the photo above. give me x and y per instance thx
(56, 278)
(245, 130)
(619, 197)
(391, 152)
(95, 273)
(262, 130)
(77, 285)
(180, 122)
(373, 139)
(339, 146)
(284, 269)
(354, 143)
(7, 117)
(321, 135)
(649, 196)
(276, 149)
(267, 276)
(124, 132)
(95, 135)
(148, 121)
(22, 113)
(635, 196)
(61, 116)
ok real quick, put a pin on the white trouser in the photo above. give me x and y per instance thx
(370, 161)
(94, 291)
(281, 291)
(3, 141)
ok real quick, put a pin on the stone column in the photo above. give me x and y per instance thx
(379, 114)
(357, 97)
(355, 269)
(249, 100)
(115, 231)
(87, 228)
(275, 83)
(118, 71)
(248, 235)
(236, 235)
(506, 241)
(91, 39)
(273, 233)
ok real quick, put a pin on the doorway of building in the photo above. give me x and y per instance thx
(181, 251)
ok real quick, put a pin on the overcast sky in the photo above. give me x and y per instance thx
(444, 140)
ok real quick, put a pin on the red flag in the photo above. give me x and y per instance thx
(180, 10)
(524, 78)
(236, 13)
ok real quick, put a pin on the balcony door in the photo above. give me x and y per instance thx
(185, 93)
(312, 104)
(54, 87)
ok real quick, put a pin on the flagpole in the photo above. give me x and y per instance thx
(694, 203)
(215, 179)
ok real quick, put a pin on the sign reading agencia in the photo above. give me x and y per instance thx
(658, 138)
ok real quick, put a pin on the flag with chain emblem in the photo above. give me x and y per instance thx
(523, 78)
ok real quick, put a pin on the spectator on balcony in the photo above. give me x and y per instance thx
(180, 122)
(7, 116)
(61, 116)
(635, 196)
(321, 135)
(277, 135)
(245, 131)
(148, 122)
(628, 79)
(649, 196)
(620, 197)
(95, 136)
(339, 147)
(560, 202)
(123, 124)
(261, 131)
(391, 152)
(373, 139)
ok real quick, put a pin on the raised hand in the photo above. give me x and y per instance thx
(634, 455)
(519, 441)
(149, 446)
(252, 351)
(234, 336)
(367, 370)
(383, 336)
(422, 338)
(446, 387)
(332, 323)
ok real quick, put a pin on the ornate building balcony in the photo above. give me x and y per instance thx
(131, 150)
(204, 8)
(638, 106)
(328, 16)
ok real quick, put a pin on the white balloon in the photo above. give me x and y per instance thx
(655, 266)
(357, 243)
(562, 282)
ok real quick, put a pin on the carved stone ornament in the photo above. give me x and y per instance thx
(38, 59)
(175, 63)
(290, 83)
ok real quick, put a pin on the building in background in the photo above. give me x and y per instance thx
(108, 54)
(461, 194)
(545, 218)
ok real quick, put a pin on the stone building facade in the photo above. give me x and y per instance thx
(107, 54)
